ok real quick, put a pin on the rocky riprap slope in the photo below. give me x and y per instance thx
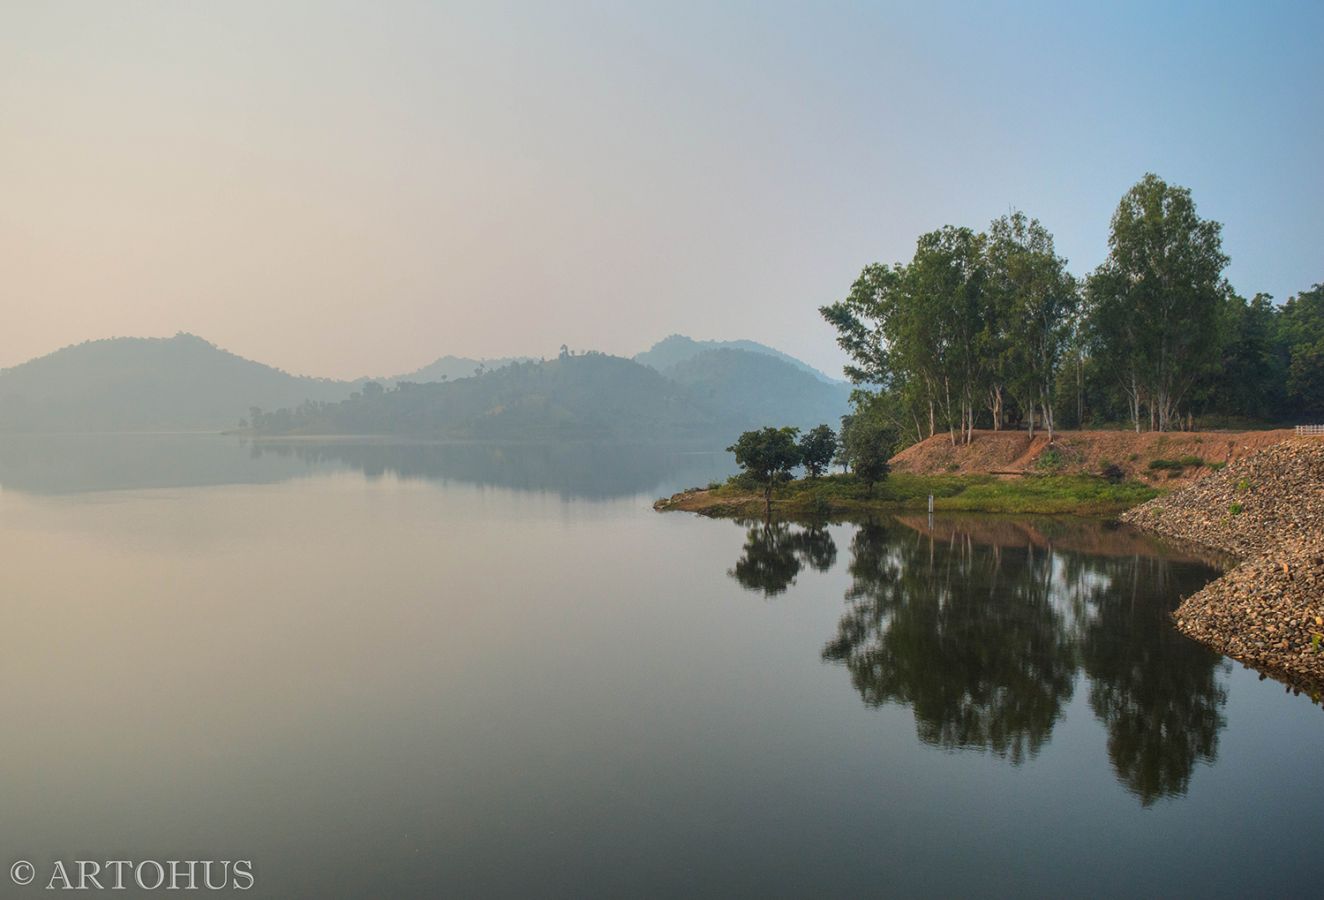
(1267, 510)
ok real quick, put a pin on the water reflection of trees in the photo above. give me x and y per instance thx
(1156, 691)
(982, 633)
(775, 552)
(969, 639)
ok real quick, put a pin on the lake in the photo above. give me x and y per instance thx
(416, 670)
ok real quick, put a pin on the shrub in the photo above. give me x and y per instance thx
(1243, 485)
(1113, 473)
(1050, 460)
(1235, 508)
(1194, 462)
(1165, 464)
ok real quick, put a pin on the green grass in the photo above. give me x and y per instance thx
(1044, 494)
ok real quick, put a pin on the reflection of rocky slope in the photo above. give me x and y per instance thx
(982, 630)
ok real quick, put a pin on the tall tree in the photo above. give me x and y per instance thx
(1036, 302)
(1155, 300)
(1302, 336)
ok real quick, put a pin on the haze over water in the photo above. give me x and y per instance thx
(383, 670)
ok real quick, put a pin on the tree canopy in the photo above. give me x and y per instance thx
(990, 329)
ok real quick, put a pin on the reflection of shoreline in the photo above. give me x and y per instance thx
(1072, 533)
(581, 470)
(71, 464)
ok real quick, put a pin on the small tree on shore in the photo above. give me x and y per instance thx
(817, 447)
(769, 455)
(868, 445)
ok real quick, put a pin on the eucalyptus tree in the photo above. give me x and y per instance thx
(1154, 303)
(1301, 331)
(1034, 302)
(919, 331)
(947, 282)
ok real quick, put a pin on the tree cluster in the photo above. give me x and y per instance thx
(990, 329)
(769, 455)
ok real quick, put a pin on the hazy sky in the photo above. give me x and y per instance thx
(351, 188)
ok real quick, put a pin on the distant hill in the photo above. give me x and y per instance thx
(185, 383)
(678, 348)
(593, 396)
(710, 397)
(143, 384)
(749, 389)
(450, 368)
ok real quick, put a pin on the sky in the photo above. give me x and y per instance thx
(342, 189)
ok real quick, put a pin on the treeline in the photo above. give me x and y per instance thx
(990, 330)
(768, 456)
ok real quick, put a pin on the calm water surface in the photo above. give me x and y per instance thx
(410, 670)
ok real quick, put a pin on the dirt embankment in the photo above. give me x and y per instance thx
(1266, 509)
(1087, 452)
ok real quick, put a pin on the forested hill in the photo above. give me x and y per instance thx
(187, 384)
(145, 384)
(711, 397)
(677, 349)
(592, 396)
(451, 368)
(754, 388)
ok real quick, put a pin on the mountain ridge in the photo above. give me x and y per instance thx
(185, 383)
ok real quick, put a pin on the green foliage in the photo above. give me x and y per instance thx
(1191, 462)
(818, 446)
(1243, 485)
(1154, 303)
(991, 326)
(1235, 508)
(1161, 464)
(767, 455)
(1050, 460)
(868, 443)
(1046, 494)
(1302, 335)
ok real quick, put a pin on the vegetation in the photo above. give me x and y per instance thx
(677, 349)
(989, 330)
(817, 449)
(845, 493)
(147, 384)
(768, 455)
(747, 388)
(578, 396)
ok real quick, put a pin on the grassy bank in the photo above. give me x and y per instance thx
(1043, 494)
